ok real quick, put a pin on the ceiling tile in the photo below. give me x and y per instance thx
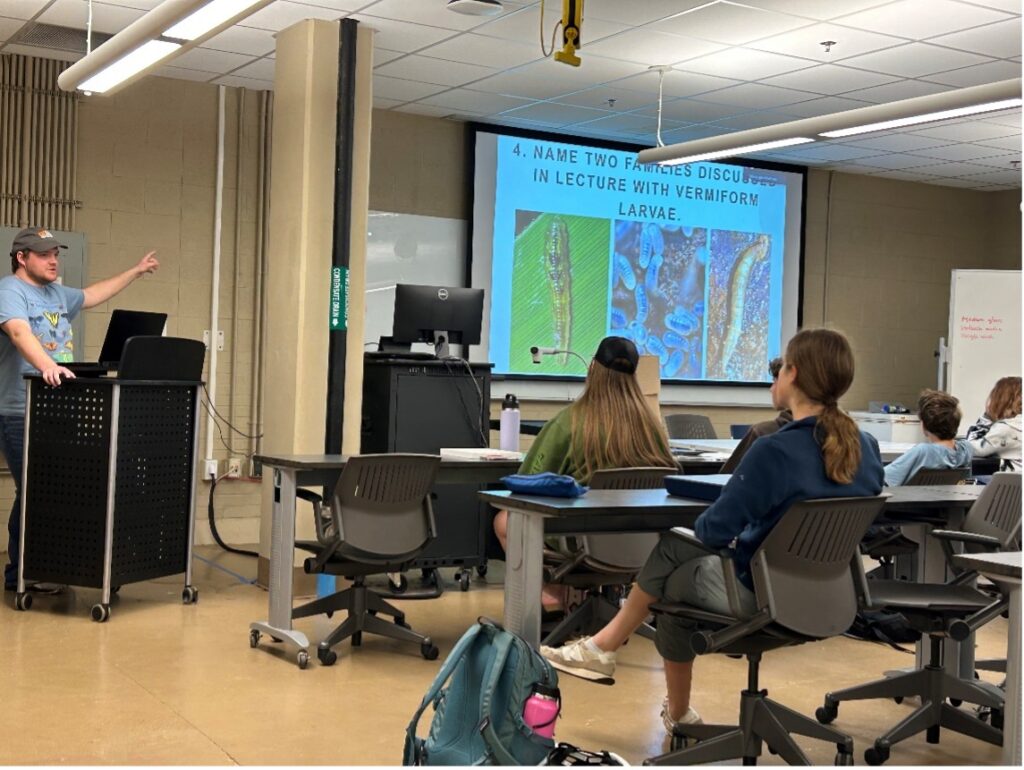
(211, 61)
(915, 60)
(255, 42)
(477, 49)
(730, 24)
(180, 73)
(854, 167)
(895, 160)
(807, 42)
(400, 35)
(474, 102)
(753, 120)
(979, 74)
(630, 123)
(9, 26)
(907, 176)
(283, 13)
(340, 6)
(402, 90)
(555, 114)
(892, 92)
(74, 13)
(637, 14)
(755, 96)
(261, 69)
(1002, 162)
(430, 14)
(966, 131)
(693, 111)
(251, 83)
(814, 9)
(745, 64)
(1009, 176)
(959, 151)
(829, 79)
(824, 151)
(894, 142)
(524, 26)
(954, 169)
(920, 19)
(383, 56)
(649, 47)
(625, 99)
(23, 9)
(1003, 142)
(689, 133)
(146, 5)
(825, 106)
(1002, 118)
(1012, 6)
(676, 83)
(547, 78)
(419, 108)
(1001, 39)
(380, 103)
(427, 70)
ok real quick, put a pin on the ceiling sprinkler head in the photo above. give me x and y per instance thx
(663, 68)
(1015, 164)
(827, 45)
(611, 104)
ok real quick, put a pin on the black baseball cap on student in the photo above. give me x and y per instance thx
(35, 239)
(618, 354)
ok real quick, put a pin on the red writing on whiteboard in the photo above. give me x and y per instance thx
(980, 327)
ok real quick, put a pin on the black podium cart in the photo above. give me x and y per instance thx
(109, 484)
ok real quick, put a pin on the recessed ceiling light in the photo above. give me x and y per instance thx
(475, 7)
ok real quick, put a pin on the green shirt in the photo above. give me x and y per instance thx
(551, 448)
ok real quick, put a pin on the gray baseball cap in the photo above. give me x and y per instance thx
(35, 239)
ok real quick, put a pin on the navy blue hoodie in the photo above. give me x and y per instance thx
(777, 471)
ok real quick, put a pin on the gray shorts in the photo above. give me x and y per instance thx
(677, 571)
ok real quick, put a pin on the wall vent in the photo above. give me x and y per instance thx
(57, 38)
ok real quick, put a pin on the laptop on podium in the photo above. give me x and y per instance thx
(123, 325)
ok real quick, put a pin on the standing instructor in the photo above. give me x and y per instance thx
(35, 316)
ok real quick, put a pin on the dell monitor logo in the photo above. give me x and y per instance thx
(442, 294)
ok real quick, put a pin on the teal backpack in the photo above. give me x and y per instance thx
(478, 698)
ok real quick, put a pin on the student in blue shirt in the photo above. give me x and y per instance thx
(820, 454)
(940, 420)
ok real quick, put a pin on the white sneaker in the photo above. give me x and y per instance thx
(691, 717)
(579, 659)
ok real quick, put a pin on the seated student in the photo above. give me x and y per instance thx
(762, 428)
(940, 420)
(820, 454)
(609, 426)
(997, 432)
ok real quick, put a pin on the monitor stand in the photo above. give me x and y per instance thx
(388, 345)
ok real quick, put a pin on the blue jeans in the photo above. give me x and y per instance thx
(12, 443)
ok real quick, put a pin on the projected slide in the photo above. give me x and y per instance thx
(690, 262)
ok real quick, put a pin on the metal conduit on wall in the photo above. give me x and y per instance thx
(39, 136)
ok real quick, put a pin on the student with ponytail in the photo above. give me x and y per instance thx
(820, 454)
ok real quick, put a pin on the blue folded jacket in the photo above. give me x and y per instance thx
(547, 484)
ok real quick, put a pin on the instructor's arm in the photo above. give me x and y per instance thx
(25, 341)
(101, 291)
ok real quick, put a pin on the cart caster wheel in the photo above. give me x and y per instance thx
(100, 612)
(843, 758)
(876, 755)
(189, 595)
(464, 580)
(357, 638)
(254, 638)
(826, 714)
(431, 578)
(22, 602)
(400, 621)
(996, 719)
(399, 587)
(302, 658)
(326, 656)
(428, 650)
(481, 570)
(898, 699)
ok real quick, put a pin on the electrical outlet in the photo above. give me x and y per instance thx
(209, 469)
(235, 468)
(220, 339)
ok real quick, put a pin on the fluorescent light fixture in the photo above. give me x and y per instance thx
(211, 15)
(750, 148)
(929, 117)
(141, 58)
(1006, 94)
(148, 41)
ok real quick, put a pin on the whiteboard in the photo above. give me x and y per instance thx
(407, 248)
(984, 336)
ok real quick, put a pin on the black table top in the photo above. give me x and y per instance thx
(336, 462)
(85, 379)
(1006, 564)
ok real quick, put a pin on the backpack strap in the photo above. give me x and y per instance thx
(412, 746)
(502, 646)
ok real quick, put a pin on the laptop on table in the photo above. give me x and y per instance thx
(123, 325)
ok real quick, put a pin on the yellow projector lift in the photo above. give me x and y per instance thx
(572, 22)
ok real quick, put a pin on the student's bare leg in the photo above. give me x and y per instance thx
(627, 620)
(552, 598)
(501, 529)
(678, 679)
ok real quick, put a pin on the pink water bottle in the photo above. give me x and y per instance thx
(542, 709)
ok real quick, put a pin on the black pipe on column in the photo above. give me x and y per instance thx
(340, 252)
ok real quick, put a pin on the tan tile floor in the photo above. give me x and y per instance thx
(163, 683)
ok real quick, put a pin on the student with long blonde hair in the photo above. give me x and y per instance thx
(609, 426)
(820, 454)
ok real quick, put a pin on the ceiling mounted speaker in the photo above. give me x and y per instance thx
(476, 7)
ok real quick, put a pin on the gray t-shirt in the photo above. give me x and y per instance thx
(49, 311)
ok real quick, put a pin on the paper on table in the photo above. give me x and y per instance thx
(477, 453)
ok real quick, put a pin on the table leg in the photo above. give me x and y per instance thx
(524, 568)
(1012, 714)
(282, 546)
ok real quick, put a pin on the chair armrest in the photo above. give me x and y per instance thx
(966, 537)
(704, 642)
(689, 537)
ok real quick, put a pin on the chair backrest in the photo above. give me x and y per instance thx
(382, 505)
(926, 477)
(738, 431)
(622, 552)
(681, 426)
(997, 511)
(808, 570)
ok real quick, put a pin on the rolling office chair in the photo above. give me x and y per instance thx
(809, 583)
(602, 565)
(886, 542)
(951, 610)
(682, 426)
(378, 521)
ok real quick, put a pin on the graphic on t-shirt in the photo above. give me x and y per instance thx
(54, 332)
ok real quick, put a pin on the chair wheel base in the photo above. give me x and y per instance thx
(876, 755)
(327, 657)
(428, 650)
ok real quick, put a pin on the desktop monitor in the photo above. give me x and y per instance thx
(437, 314)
